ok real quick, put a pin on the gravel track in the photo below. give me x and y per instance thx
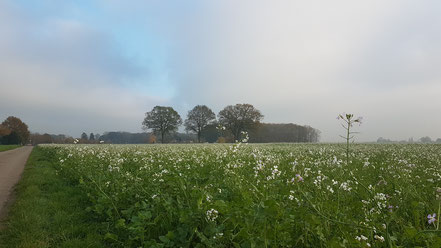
(12, 163)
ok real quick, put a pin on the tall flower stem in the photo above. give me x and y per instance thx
(347, 142)
(439, 212)
(349, 121)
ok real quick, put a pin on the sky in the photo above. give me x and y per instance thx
(68, 67)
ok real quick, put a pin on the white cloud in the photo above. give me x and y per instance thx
(307, 61)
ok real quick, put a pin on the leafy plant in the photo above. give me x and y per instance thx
(275, 195)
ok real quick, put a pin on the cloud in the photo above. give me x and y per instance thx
(63, 76)
(296, 61)
(307, 61)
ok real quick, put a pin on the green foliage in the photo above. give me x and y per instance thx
(258, 195)
(210, 133)
(19, 131)
(49, 211)
(11, 139)
(239, 118)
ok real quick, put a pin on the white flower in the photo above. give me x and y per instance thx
(218, 235)
(380, 238)
(361, 237)
(329, 188)
(212, 214)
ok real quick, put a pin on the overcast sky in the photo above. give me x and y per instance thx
(96, 66)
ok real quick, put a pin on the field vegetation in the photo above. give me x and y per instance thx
(243, 195)
(49, 211)
(7, 147)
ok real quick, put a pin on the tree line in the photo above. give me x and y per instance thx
(422, 140)
(232, 122)
(201, 125)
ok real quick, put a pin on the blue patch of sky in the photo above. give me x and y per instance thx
(142, 47)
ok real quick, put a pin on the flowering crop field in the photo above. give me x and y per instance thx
(252, 195)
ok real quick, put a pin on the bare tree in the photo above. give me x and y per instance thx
(198, 119)
(162, 120)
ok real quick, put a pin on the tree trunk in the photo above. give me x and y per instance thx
(236, 135)
(162, 137)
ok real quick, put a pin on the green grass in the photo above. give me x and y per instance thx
(48, 211)
(8, 147)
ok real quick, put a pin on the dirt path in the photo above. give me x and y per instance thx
(12, 163)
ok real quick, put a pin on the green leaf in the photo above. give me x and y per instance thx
(110, 236)
(410, 232)
(164, 239)
(121, 223)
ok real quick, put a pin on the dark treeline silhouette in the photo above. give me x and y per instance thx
(144, 138)
(110, 138)
(125, 138)
(423, 140)
(162, 124)
(264, 133)
(270, 132)
(46, 138)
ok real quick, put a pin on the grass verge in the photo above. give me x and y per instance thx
(49, 211)
(7, 147)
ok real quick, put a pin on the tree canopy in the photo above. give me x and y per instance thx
(239, 118)
(4, 130)
(19, 131)
(198, 119)
(162, 120)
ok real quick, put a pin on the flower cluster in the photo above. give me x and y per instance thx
(212, 214)
(431, 218)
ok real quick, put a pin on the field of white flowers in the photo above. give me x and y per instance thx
(250, 195)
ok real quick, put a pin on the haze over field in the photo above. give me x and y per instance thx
(95, 66)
